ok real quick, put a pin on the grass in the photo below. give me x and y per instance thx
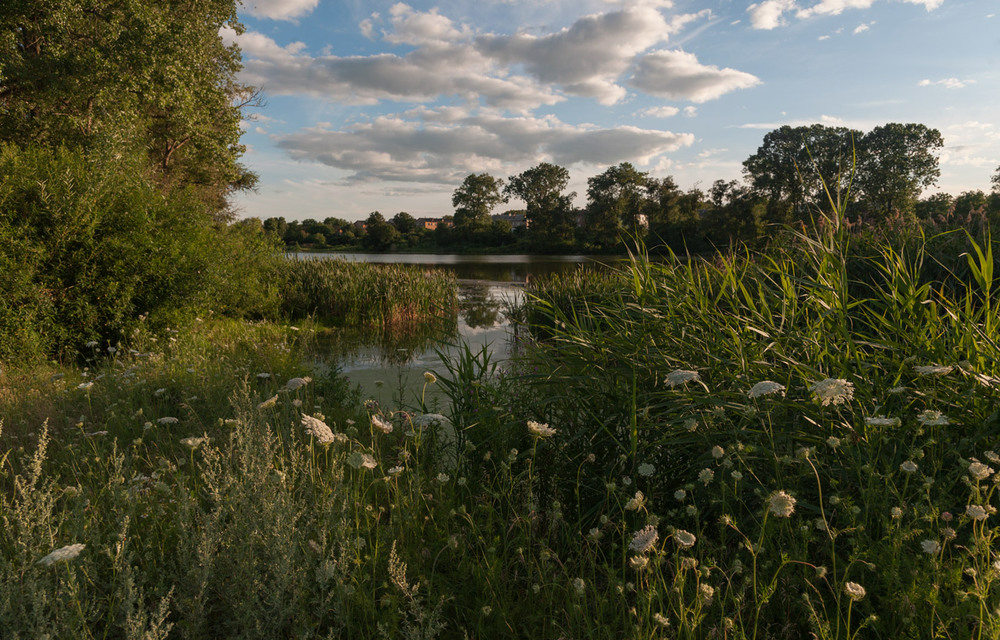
(743, 448)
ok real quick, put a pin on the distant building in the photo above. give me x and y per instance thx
(430, 224)
(516, 220)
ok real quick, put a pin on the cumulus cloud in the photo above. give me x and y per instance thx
(947, 83)
(679, 76)
(588, 57)
(864, 26)
(280, 9)
(409, 26)
(660, 112)
(425, 74)
(771, 14)
(420, 149)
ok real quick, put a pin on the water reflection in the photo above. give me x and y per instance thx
(478, 306)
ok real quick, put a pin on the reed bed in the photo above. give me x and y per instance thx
(367, 295)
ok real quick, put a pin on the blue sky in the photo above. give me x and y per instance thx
(387, 106)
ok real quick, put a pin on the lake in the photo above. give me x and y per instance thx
(388, 364)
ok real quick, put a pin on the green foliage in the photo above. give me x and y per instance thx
(91, 247)
(474, 200)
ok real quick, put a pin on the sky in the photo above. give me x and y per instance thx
(372, 105)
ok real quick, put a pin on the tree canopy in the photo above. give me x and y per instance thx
(473, 201)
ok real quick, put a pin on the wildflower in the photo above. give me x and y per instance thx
(781, 504)
(360, 460)
(443, 477)
(880, 421)
(948, 533)
(430, 377)
(684, 539)
(91, 344)
(931, 418)
(487, 610)
(992, 456)
(646, 469)
(579, 585)
(706, 592)
(68, 552)
(718, 452)
(908, 467)
(854, 591)
(896, 512)
(594, 534)
(267, 404)
(833, 442)
(317, 429)
(395, 471)
(706, 475)
(930, 546)
(167, 420)
(95, 434)
(540, 430)
(637, 502)
(644, 539)
(980, 471)
(947, 517)
(976, 512)
(382, 425)
(933, 370)
(680, 494)
(897, 390)
(765, 388)
(193, 443)
(832, 391)
(736, 475)
(297, 383)
(691, 424)
(680, 376)
(661, 620)
(263, 375)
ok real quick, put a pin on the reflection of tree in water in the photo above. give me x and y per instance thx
(393, 346)
(478, 307)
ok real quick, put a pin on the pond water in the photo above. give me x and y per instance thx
(390, 366)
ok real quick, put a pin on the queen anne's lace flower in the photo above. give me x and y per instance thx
(765, 388)
(706, 475)
(931, 418)
(930, 546)
(908, 467)
(318, 429)
(934, 370)
(854, 591)
(62, 554)
(540, 430)
(980, 471)
(167, 420)
(680, 376)
(637, 502)
(976, 512)
(382, 425)
(684, 539)
(781, 504)
(880, 421)
(297, 383)
(644, 539)
(833, 391)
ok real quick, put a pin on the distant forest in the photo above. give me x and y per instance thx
(797, 173)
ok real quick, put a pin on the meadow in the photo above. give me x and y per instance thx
(796, 443)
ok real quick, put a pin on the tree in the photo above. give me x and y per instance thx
(404, 223)
(474, 200)
(615, 203)
(148, 76)
(549, 212)
(380, 235)
(793, 164)
(995, 181)
(895, 163)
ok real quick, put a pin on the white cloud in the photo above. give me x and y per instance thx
(679, 76)
(861, 28)
(588, 57)
(769, 14)
(833, 7)
(420, 28)
(280, 9)
(397, 148)
(660, 112)
(422, 75)
(947, 83)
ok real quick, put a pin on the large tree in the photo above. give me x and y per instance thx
(133, 75)
(473, 201)
(549, 211)
(896, 162)
(615, 203)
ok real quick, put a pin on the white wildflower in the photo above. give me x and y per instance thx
(896, 513)
(382, 425)
(167, 420)
(781, 504)
(931, 418)
(684, 539)
(706, 475)
(91, 344)
(833, 391)
(881, 421)
(297, 383)
(980, 471)
(765, 388)
(430, 377)
(706, 592)
(267, 404)
(854, 591)
(638, 562)
(318, 429)
(680, 376)
(443, 477)
(540, 430)
(646, 469)
(833, 442)
(637, 502)
(644, 539)
(395, 471)
(908, 466)
(193, 443)
(579, 586)
(661, 620)
(718, 452)
(736, 475)
(930, 546)
(933, 370)
(63, 554)
(976, 512)
(360, 460)
(680, 494)
(263, 375)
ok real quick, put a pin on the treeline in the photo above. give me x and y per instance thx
(797, 172)
(119, 149)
